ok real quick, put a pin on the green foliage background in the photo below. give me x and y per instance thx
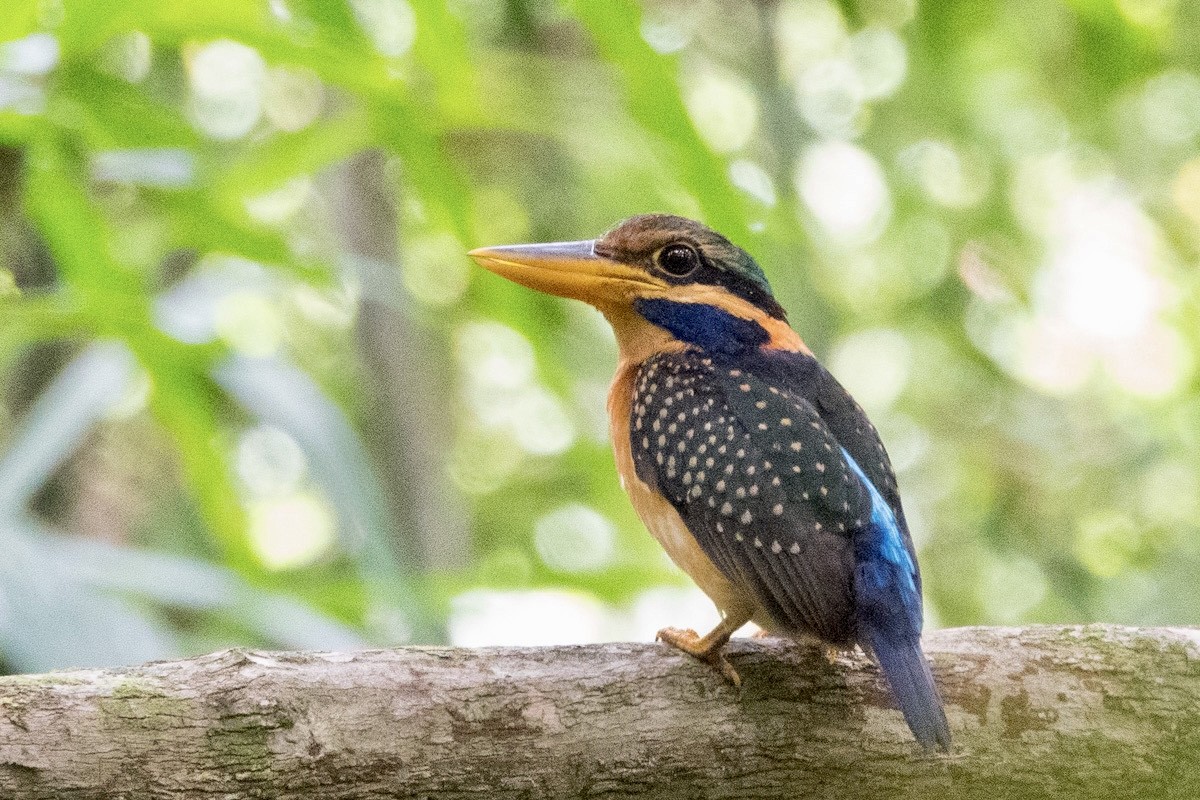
(233, 297)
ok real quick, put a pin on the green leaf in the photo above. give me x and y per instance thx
(284, 396)
(652, 88)
(53, 621)
(197, 221)
(19, 19)
(179, 582)
(17, 128)
(187, 403)
(110, 113)
(86, 24)
(428, 172)
(335, 19)
(269, 164)
(61, 417)
(441, 48)
(183, 397)
(56, 200)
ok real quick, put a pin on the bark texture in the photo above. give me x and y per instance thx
(1065, 712)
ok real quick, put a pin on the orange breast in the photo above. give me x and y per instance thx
(658, 515)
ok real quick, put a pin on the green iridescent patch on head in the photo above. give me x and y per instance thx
(641, 241)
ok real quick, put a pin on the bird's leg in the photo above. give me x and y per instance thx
(707, 648)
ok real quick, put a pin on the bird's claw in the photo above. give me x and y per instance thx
(688, 641)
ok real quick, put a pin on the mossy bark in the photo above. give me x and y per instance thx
(1065, 712)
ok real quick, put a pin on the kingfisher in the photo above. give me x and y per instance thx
(751, 465)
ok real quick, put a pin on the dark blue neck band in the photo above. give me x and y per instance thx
(708, 327)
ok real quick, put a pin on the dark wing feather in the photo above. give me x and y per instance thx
(804, 376)
(761, 483)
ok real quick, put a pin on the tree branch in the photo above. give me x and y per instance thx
(1068, 712)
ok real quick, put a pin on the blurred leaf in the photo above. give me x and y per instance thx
(188, 403)
(198, 222)
(57, 201)
(441, 47)
(111, 113)
(287, 155)
(33, 319)
(433, 178)
(87, 24)
(19, 19)
(655, 102)
(336, 19)
(176, 581)
(50, 620)
(63, 415)
(280, 394)
(182, 397)
(16, 128)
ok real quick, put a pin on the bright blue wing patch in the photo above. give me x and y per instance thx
(886, 573)
(891, 541)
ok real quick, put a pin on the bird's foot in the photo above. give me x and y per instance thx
(702, 648)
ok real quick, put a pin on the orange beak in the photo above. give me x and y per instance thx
(569, 269)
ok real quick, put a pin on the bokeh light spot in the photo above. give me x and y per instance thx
(535, 618)
(540, 423)
(944, 174)
(1010, 588)
(391, 24)
(880, 59)
(164, 168)
(843, 186)
(1170, 493)
(35, 54)
(1099, 277)
(128, 56)
(293, 98)
(830, 96)
(753, 180)
(278, 206)
(1170, 107)
(1105, 543)
(290, 531)
(1186, 190)
(435, 271)
(495, 356)
(874, 366)
(668, 30)
(483, 459)
(249, 322)
(808, 31)
(575, 538)
(269, 461)
(725, 110)
(497, 364)
(226, 80)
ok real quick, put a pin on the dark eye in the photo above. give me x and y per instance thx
(678, 259)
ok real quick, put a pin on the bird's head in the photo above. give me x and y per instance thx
(659, 279)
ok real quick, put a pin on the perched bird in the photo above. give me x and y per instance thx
(751, 465)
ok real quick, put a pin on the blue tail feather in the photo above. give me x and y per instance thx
(888, 612)
(908, 674)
